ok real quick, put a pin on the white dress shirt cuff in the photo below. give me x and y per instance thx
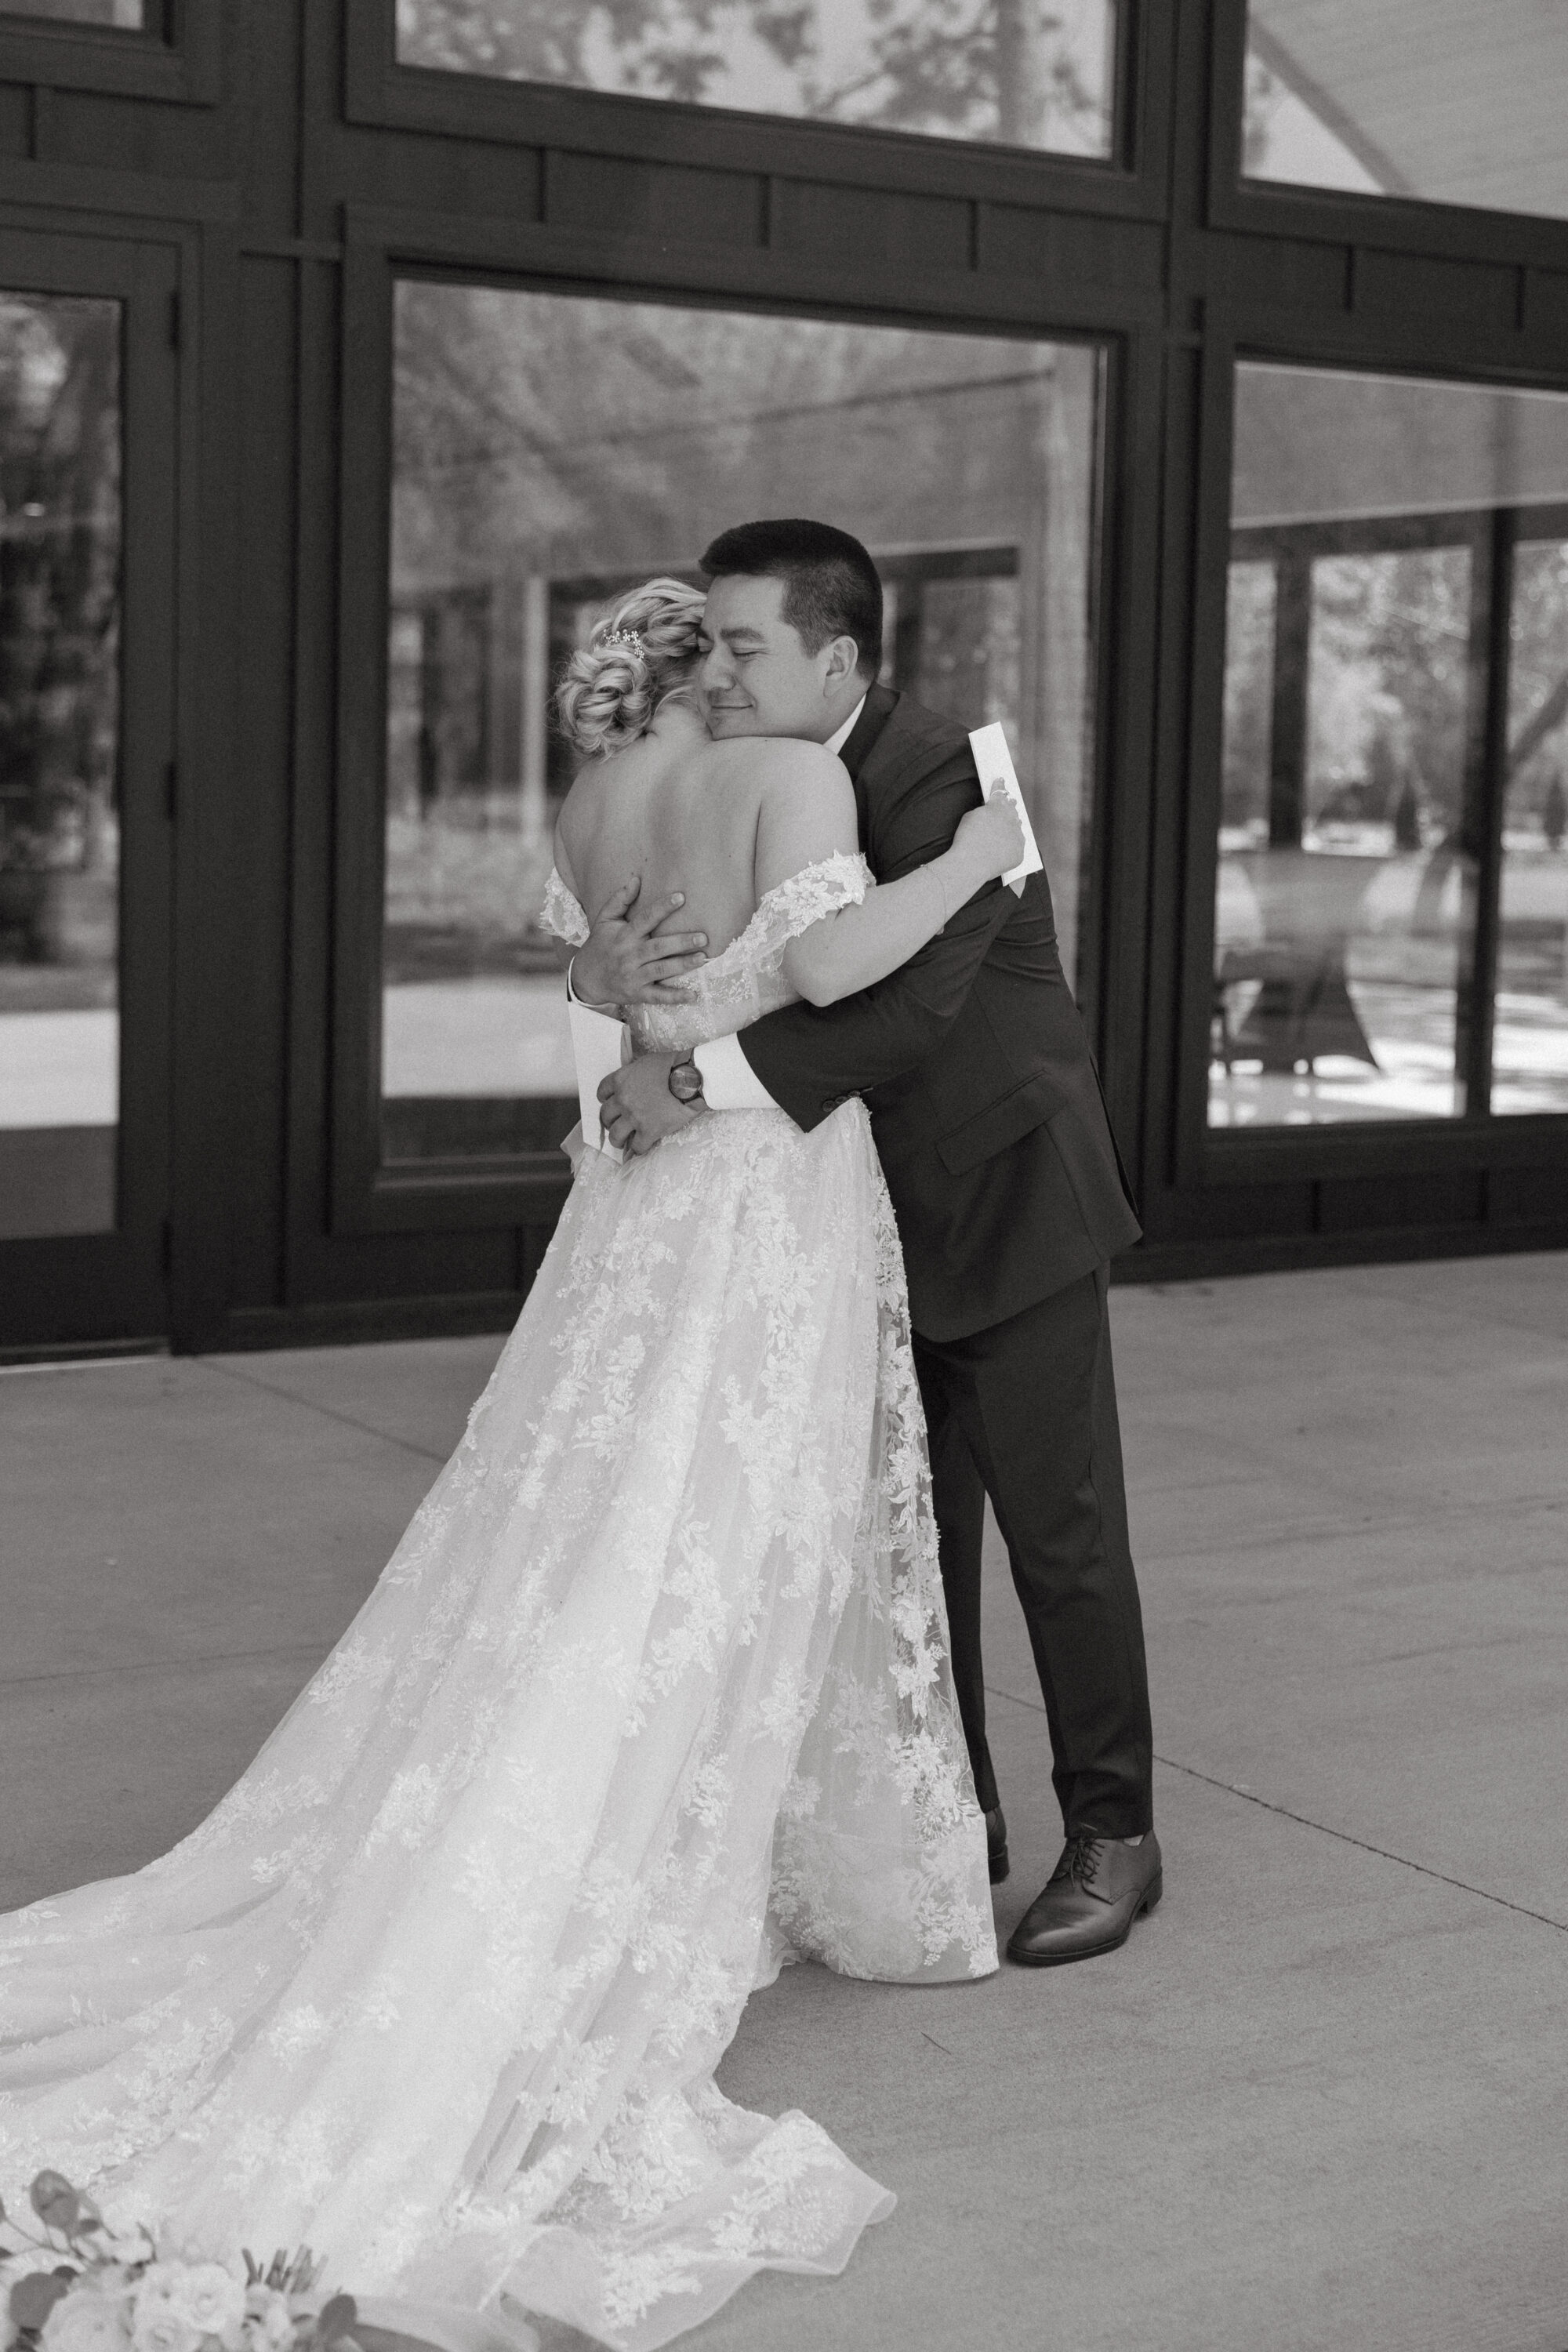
(592, 1005)
(729, 1081)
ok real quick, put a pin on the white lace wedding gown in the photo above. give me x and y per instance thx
(652, 1696)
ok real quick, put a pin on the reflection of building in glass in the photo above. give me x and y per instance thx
(552, 452)
(1460, 105)
(1377, 523)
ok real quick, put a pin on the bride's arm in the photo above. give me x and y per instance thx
(809, 814)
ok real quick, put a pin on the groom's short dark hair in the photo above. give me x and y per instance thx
(831, 586)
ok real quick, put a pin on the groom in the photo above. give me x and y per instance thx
(1004, 1175)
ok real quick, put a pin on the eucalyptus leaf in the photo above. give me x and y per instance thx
(337, 2316)
(34, 2298)
(55, 2201)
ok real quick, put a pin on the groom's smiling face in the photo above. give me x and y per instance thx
(757, 675)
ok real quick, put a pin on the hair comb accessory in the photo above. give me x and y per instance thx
(627, 637)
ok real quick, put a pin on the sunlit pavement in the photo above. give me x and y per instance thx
(1318, 2099)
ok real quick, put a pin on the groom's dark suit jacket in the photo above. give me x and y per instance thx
(972, 1059)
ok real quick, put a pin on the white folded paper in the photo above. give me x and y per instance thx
(597, 1050)
(994, 762)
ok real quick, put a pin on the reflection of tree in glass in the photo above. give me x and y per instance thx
(1248, 693)
(59, 578)
(1389, 677)
(1537, 678)
(1005, 70)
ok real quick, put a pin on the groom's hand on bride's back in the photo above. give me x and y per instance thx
(629, 959)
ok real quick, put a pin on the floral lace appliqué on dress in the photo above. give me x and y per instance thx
(652, 1697)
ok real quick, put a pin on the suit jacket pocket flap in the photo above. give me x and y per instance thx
(998, 1125)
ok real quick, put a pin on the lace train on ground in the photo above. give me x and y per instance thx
(652, 1697)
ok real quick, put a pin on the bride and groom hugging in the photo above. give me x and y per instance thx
(654, 1695)
(1004, 1178)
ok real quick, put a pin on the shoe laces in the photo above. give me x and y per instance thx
(1082, 1857)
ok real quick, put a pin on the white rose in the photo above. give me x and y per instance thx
(86, 2322)
(156, 2325)
(210, 2297)
(160, 2283)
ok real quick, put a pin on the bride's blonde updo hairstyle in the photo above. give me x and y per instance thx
(632, 663)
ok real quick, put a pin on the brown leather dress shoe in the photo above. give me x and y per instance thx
(1089, 1902)
(996, 1845)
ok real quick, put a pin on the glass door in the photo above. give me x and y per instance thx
(87, 474)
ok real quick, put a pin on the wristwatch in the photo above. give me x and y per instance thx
(686, 1081)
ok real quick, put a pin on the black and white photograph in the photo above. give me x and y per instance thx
(784, 1175)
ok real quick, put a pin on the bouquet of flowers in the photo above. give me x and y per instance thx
(74, 2284)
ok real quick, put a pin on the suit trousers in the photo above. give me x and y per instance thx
(1026, 1412)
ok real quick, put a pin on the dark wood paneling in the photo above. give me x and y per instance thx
(363, 1266)
(1234, 1212)
(1022, 241)
(1371, 1204)
(357, 1322)
(1478, 295)
(445, 176)
(185, 68)
(654, 200)
(1527, 1196)
(872, 229)
(1545, 305)
(267, 521)
(125, 134)
(1286, 271)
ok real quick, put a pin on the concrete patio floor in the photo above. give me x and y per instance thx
(1321, 2100)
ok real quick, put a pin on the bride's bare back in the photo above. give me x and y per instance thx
(680, 811)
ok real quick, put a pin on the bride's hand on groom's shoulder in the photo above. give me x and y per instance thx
(629, 959)
(636, 1109)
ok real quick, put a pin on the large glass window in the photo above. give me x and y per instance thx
(1442, 100)
(1377, 525)
(1014, 71)
(549, 452)
(59, 737)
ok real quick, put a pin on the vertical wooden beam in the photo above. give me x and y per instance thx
(1289, 715)
(1485, 795)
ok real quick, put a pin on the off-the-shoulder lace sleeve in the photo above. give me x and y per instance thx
(562, 914)
(792, 905)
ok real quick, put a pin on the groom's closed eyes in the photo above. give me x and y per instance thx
(738, 642)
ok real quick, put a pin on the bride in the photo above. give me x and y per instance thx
(652, 1697)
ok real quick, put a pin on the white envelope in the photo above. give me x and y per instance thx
(597, 1050)
(994, 762)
